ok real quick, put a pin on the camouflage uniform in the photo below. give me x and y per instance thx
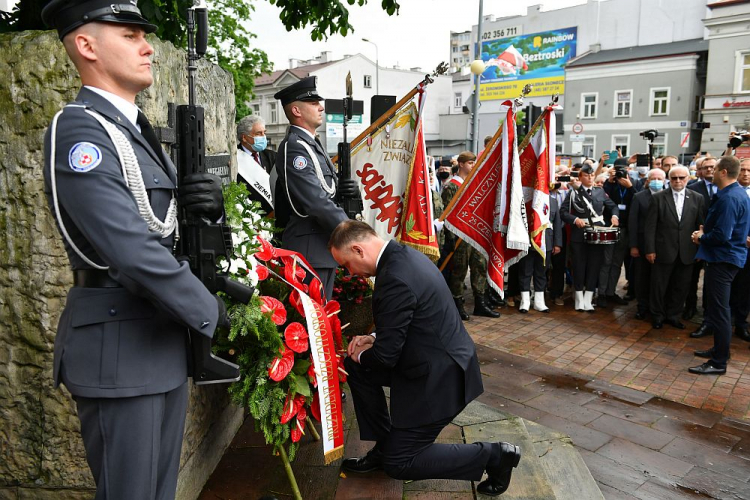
(466, 257)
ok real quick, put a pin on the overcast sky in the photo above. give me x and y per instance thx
(418, 37)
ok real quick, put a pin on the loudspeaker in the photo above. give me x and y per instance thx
(379, 104)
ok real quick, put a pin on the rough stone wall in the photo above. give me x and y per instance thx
(41, 453)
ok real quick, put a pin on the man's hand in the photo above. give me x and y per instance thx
(634, 252)
(696, 236)
(747, 242)
(556, 250)
(200, 195)
(615, 221)
(625, 182)
(580, 223)
(348, 188)
(358, 345)
(651, 257)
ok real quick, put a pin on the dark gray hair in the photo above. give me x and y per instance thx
(246, 125)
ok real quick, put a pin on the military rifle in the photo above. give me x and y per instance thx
(202, 241)
(351, 205)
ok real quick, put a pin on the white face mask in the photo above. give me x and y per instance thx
(642, 170)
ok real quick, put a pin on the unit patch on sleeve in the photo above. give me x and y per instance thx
(84, 156)
(300, 162)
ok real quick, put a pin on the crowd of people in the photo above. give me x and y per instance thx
(625, 217)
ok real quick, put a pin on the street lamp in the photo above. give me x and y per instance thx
(377, 66)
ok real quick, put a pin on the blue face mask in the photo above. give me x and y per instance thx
(259, 143)
(633, 175)
(655, 185)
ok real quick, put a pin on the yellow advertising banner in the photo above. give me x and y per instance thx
(512, 89)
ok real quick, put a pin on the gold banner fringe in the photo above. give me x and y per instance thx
(334, 455)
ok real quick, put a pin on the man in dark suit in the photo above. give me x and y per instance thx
(307, 183)
(672, 217)
(706, 188)
(740, 295)
(121, 342)
(585, 206)
(637, 224)
(422, 351)
(255, 160)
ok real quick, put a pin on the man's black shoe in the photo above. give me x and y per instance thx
(601, 301)
(742, 333)
(657, 324)
(616, 299)
(359, 465)
(703, 331)
(675, 323)
(704, 354)
(498, 477)
(688, 313)
(640, 315)
(707, 369)
(629, 297)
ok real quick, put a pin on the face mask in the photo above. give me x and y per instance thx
(443, 175)
(655, 186)
(259, 143)
(692, 173)
(642, 170)
(633, 175)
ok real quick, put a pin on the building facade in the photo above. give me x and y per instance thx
(726, 104)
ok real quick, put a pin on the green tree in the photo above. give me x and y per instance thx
(229, 40)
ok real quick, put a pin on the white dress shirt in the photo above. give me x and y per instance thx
(679, 202)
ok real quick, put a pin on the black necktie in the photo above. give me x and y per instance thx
(147, 131)
(588, 191)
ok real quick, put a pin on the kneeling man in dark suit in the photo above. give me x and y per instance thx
(423, 353)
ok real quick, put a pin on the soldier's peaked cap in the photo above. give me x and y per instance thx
(303, 90)
(67, 15)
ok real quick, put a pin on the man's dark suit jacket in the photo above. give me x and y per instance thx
(668, 237)
(599, 200)
(637, 219)
(700, 187)
(421, 341)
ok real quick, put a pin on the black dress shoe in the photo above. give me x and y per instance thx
(657, 324)
(707, 369)
(498, 477)
(617, 299)
(688, 313)
(704, 354)
(675, 323)
(742, 333)
(371, 462)
(629, 297)
(601, 301)
(703, 331)
(640, 315)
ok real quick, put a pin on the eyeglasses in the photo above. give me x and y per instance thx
(675, 178)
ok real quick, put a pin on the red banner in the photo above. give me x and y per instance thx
(488, 212)
(417, 229)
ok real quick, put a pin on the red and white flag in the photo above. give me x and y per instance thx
(510, 61)
(488, 212)
(537, 171)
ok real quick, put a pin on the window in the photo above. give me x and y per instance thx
(368, 81)
(743, 72)
(659, 101)
(589, 146)
(588, 105)
(623, 103)
(622, 142)
(256, 109)
(458, 100)
(272, 114)
(660, 146)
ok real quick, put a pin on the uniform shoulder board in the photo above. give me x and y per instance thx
(84, 156)
(300, 162)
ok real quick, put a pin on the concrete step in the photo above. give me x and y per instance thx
(550, 467)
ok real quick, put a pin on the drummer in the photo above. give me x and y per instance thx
(585, 208)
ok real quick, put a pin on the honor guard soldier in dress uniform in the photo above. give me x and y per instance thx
(121, 345)
(307, 183)
(585, 206)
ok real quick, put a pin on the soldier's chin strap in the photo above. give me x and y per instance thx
(133, 177)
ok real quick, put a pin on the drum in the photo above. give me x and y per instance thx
(597, 235)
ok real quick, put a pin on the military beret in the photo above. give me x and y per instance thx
(67, 15)
(586, 168)
(303, 90)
